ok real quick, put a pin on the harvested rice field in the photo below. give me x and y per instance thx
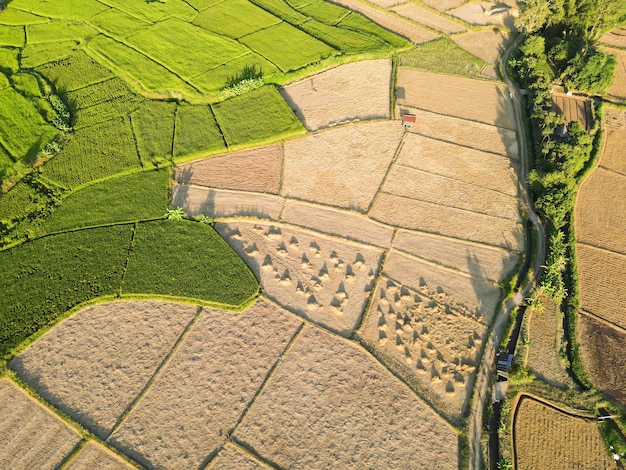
(336, 96)
(95, 363)
(604, 353)
(438, 346)
(231, 457)
(544, 330)
(444, 5)
(323, 279)
(474, 100)
(549, 438)
(255, 170)
(330, 394)
(485, 13)
(30, 435)
(487, 45)
(613, 154)
(427, 18)
(615, 38)
(208, 381)
(94, 455)
(618, 89)
(341, 167)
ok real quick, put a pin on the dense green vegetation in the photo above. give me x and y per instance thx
(187, 259)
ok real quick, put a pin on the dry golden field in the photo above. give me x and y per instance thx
(616, 37)
(30, 435)
(549, 439)
(411, 31)
(598, 221)
(448, 221)
(437, 345)
(324, 279)
(424, 186)
(96, 362)
(444, 5)
(199, 396)
(457, 162)
(423, 16)
(493, 263)
(470, 295)
(482, 13)
(231, 457)
(332, 221)
(196, 200)
(474, 100)
(329, 404)
(618, 89)
(470, 134)
(341, 167)
(256, 170)
(544, 330)
(602, 277)
(613, 154)
(487, 45)
(95, 456)
(335, 96)
(604, 354)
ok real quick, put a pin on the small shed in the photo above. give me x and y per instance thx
(408, 120)
(504, 364)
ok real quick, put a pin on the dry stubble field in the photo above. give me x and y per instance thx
(96, 456)
(548, 438)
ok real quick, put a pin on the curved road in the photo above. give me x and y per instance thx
(486, 368)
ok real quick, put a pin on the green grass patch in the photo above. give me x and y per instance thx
(58, 31)
(154, 11)
(153, 123)
(107, 110)
(39, 54)
(442, 56)
(298, 4)
(128, 198)
(95, 94)
(23, 131)
(75, 72)
(94, 153)
(203, 4)
(75, 10)
(325, 12)
(4, 82)
(360, 23)
(27, 84)
(287, 46)
(345, 40)
(136, 67)
(283, 10)
(187, 259)
(6, 161)
(13, 17)
(256, 117)
(196, 131)
(235, 18)
(217, 78)
(12, 36)
(184, 48)
(117, 24)
(42, 279)
(9, 59)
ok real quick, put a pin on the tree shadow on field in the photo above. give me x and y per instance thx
(194, 205)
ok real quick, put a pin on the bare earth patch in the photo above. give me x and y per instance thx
(330, 394)
(599, 222)
(424, 186)
(604, 354)
(466, 133)
(324, 279)
(198, 398)
(195, 200)
(472, 258)
(411, 31)
(30, 435)
(475, 100)
(426, 17)
(336, 96)
(438, 346)
(95, 456)
(231, 457)
(96, 362)
(448, 221)
(547, 438)
(341, 167)
(348, 225)
(256, 170)
(602, 277)
(473, 297)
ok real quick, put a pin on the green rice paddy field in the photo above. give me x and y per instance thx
(97, 96)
